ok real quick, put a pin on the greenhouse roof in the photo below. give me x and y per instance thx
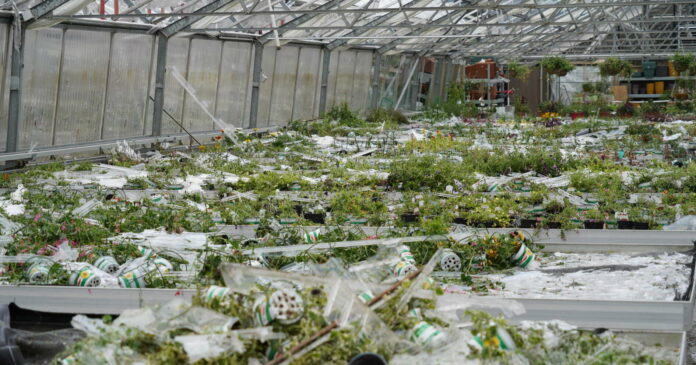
(462, 28)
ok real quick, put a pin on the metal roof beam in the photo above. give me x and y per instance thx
(185, 22)
(299, 20)
(45, 7)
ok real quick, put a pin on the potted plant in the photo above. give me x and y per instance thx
(594, 219)
(556, 65)
(682, 61)
(613, 67)
(518, 71)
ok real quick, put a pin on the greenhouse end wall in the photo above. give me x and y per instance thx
(89, 83)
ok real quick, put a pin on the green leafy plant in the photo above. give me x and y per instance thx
(518, 70)
(556, 65)
(614, 66)
(682, 61)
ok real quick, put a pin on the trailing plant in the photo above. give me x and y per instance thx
(518, 70)
(557, 65)
(682, 61)
(614, 66)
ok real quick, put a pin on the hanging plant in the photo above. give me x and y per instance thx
(518, 70)
(613, 66)
(682, 61)
(557, 65)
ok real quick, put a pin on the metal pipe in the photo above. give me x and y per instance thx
(256, 83)
(326, 60)
(18, 37)
(158, 105)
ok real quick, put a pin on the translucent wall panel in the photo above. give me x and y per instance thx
(308, 75)
(203, 69)
(284, 79)
(361, 81)
(81, 89)
(331, 82)
(177, 56)
(42, 58)
(234, 88)
(344, 77)
(126, 94)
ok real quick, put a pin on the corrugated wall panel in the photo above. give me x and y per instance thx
(234, 86)
(344, 77)
(177, 56)
(204, 66)
(266, 88)
(307, 80)
(39, 86)
(126, 94)
(81, 90)
(361, 81)
(284, 78)
(331, 82)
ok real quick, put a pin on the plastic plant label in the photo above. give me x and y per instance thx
(405, 254)
(84, 277)
(163, 265)
(403, 268)
(366, 296)
(426, 334)
(523, 257)
(107, 264)
(216, 292)
(132, 279)
(311, 237)
(147, 252)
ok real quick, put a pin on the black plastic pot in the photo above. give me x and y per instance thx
(459, 220)
(594, 224)
(409, 218)
(625, 224)
(552, 225)
(641, 225)
(528, 223)
(315, 217)
(368, 358)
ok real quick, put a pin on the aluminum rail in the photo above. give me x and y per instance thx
(578, 241)
(62, 299)
(92, 146)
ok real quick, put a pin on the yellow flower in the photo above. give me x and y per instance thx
(201, 147)
(84, 274)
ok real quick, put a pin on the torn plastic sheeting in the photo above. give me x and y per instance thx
(173, 315)
(452, 306)
(209, 346)
(551, 182)
(105, 175)
(685, 223)
(87, 207)
(204, 106)
(293, 250)
(342, 305)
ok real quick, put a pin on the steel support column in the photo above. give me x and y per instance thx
(16, 66)
(326, 60)
(255, 85)
(376, 70)
(161, 66)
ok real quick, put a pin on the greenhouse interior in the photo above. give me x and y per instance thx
(358, 182)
